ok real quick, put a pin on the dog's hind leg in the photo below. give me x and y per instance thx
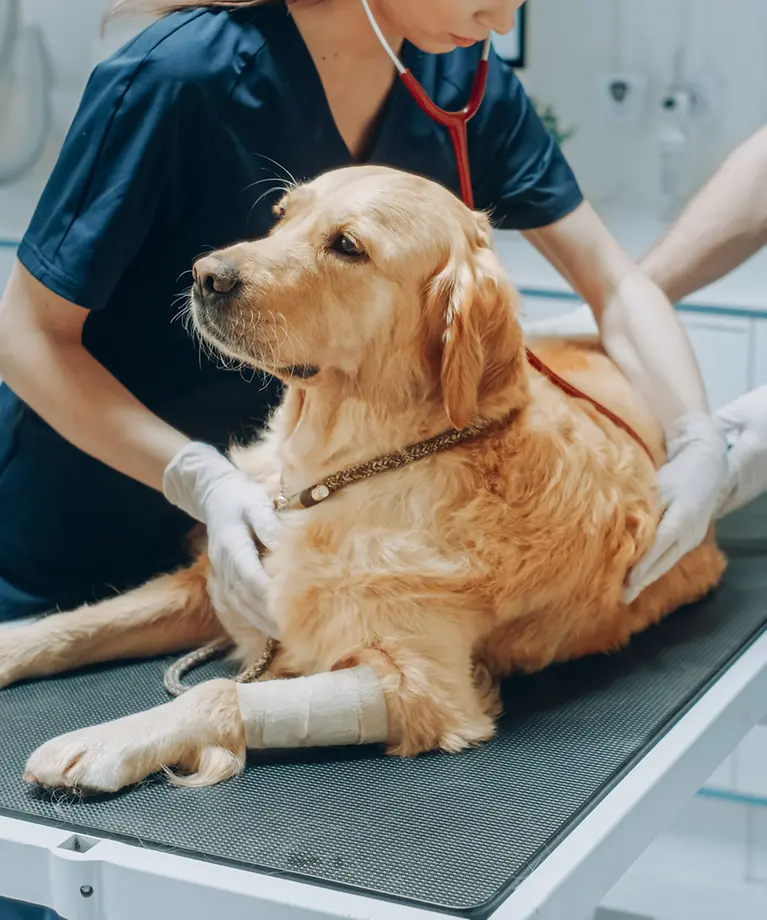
(169, 614)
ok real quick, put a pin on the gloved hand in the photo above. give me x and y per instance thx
(578, 323)
(744, 423)
(690, 485)
(202, 482)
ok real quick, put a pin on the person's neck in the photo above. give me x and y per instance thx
(342, 27)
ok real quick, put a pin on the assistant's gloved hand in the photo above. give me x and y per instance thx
(202, 482)
(744, 423)
(690, 485)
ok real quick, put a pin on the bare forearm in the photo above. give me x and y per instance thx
(639, 328)
(55, 375)
(723, 225)
(643, 335)
(93, 411)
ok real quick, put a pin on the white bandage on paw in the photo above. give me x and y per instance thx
(335, 708)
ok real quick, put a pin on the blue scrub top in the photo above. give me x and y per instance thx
(165, 160)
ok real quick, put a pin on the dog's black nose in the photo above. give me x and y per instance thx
(215, 276)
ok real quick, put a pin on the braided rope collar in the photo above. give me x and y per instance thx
(313, 495)
(307, 498)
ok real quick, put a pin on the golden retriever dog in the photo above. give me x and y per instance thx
(380, 302)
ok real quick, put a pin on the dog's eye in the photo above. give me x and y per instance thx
(346, 245)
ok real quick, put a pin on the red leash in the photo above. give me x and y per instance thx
(571, 390)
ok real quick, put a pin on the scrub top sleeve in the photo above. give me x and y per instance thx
(525, 181)
(110, 182)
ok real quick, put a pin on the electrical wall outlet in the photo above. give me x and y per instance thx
(697, 99)
(623, 97)
(707, 93)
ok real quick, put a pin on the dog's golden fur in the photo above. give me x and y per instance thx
(505, 553)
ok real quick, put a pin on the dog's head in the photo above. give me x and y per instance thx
(373, 278)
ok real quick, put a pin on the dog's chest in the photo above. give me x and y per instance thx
(371, 530)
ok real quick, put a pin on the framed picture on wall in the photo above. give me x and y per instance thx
(511, 47)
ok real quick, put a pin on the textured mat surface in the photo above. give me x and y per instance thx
(452, 832)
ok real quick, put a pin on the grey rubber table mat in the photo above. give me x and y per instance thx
(456, 833)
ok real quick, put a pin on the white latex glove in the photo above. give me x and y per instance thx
(578, 323)
(690, 485)
(202, 482)
(744, 423)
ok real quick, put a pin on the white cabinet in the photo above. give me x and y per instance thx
(534, 307)
(760, 351)
(723, 348)
(751, 764)
(724, 777)
(757, 846)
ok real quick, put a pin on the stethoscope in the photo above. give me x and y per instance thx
(455, 122)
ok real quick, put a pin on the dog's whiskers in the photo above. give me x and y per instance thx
(281, 322)
(275, 179)
(184, 313)
(274, 360)
(278, 343)
(286, 171)
(269, 191)
(206, 350)
(205, 252)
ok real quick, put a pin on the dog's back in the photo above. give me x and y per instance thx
(584, 364)
(595, 504)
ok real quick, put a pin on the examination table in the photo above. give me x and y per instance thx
(590, 762)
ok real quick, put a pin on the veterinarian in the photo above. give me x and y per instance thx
(111, 421)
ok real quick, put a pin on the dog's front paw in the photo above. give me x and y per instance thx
(200, 734)
(95, 759)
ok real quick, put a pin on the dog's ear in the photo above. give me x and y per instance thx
(473, 307)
